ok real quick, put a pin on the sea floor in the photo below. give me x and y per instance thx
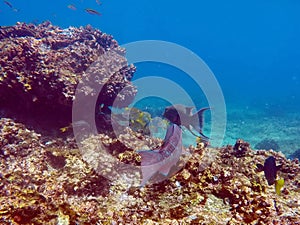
(255, 125)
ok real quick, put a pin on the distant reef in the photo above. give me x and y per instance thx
(41, 66)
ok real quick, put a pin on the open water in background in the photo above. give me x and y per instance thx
(252, 47)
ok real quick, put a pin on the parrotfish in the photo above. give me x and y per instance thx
(182, 115)
(163, 159)
(270, 169)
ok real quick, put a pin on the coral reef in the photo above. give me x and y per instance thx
(267, 144)
(41, 65)
(47, 181)
(50, 180)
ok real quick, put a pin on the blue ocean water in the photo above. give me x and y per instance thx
(252, 47)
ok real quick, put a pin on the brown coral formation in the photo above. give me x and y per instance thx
(47, 181)
(40, 67)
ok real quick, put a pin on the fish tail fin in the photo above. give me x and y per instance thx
(146, 176)
(198, 121)
(201, 116)
(148, 158)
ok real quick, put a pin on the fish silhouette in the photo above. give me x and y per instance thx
(182, 115)
(163, 159)
(270, 169)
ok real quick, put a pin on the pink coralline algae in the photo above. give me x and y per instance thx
(41, 66)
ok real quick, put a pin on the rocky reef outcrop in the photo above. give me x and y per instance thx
(41, 66)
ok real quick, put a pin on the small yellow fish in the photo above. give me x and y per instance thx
(64, 129)
(278, 185)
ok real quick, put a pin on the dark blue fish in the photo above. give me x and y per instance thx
(182, 115)
(270, 169)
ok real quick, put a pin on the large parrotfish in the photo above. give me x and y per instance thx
(163, 159)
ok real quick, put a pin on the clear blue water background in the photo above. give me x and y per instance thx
(252, 47)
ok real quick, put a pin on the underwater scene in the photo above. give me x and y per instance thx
(149, 112)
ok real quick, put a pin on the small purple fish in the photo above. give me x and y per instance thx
(93, 12)
(98, 2)
(161, 160)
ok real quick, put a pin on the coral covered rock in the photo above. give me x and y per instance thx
(47, 181)
(40, 67)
